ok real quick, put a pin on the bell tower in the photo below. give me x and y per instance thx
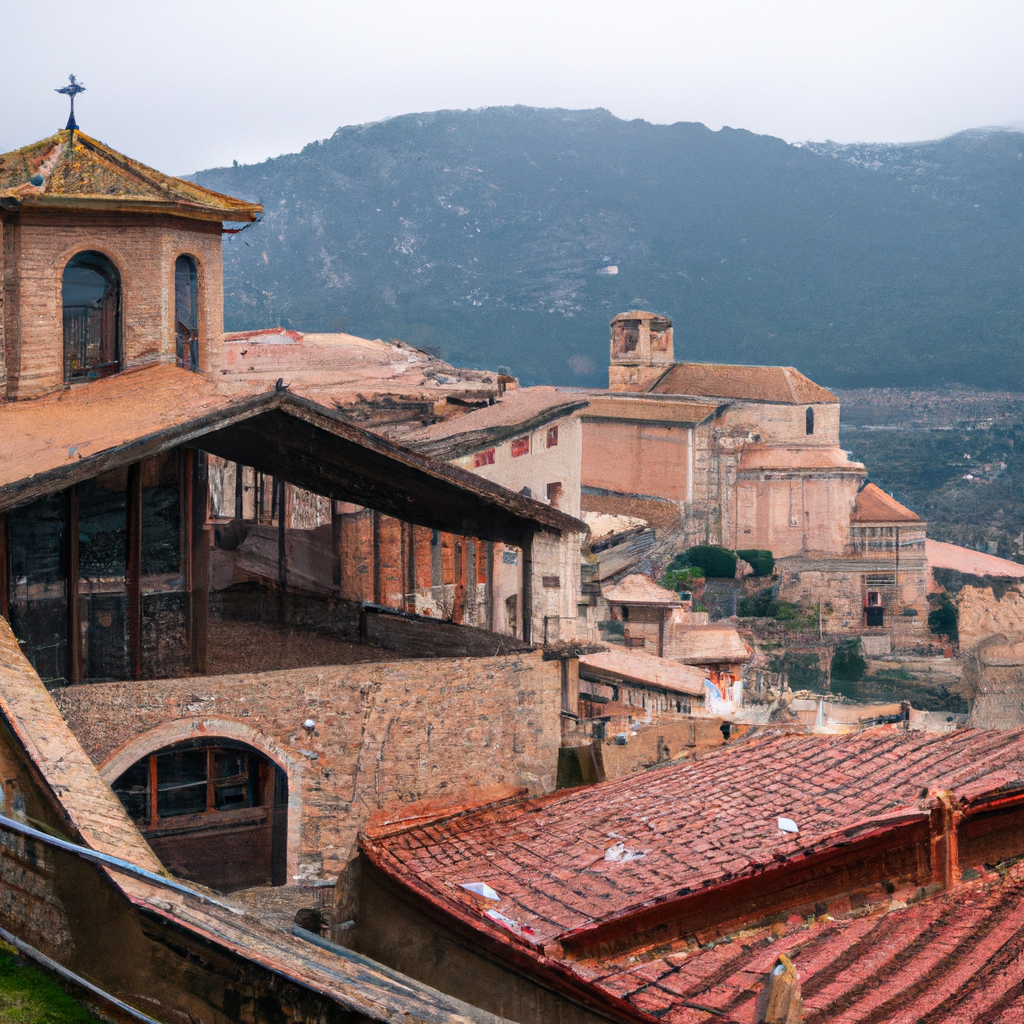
(641, 350)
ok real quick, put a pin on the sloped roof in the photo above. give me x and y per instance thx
(873, 505)
(643, 669)
(640, 589)
(712, 822)
(757, 457)
(707, 645)
(939, 555)
(74, 434)
(781, 384)
(79, 172)
(953, 958)
(517, 412)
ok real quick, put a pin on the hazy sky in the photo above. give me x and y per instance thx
(186, 85)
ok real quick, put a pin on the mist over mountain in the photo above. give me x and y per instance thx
(511, 235)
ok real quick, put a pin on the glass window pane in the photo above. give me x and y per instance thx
(36, 590)
(181, 782)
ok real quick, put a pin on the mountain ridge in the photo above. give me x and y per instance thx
(511, 235)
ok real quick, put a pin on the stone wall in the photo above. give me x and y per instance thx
(985, 611)
(143, 249)
(384, 733)
(994, 676)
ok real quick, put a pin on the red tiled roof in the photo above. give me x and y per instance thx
(640, 589)
(957, 956)
(644, 670)
(873, 505)
(696, 823)
(940, 555)
(783, 384)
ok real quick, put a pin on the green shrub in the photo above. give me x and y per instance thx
(943, 620)
(763, 605)
(848, 663)
(681, 579)
(717, 563)
(762, 562)
(804, 670)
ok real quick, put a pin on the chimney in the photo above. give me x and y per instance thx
(779, 1001)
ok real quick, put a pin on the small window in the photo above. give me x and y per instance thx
(552, 436)
(809, 420)
(186, 312)
(483, 458)
(554, 494)
(91, 301)
(520, 446)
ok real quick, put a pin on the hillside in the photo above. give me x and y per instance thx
(511, 236)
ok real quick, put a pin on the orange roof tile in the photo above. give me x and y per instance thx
(74, 434)
(952, 958)
(518, 411)
(763, 456)
(709, 644)
(640, 589)
(940, 555)
(783, 384)
(76, 171)
(691, 825)
(873, 505)
(643, 669)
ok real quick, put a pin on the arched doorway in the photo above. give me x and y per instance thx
(214, 811)
(91, 300)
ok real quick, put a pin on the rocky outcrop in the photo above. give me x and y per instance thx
(986, 611)
(994, 674)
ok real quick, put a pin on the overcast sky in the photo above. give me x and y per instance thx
(185, 86)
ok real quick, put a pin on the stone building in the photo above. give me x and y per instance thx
(750, 457)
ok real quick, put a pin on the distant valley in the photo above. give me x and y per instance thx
(510, 236)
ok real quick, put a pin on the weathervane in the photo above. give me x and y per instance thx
(72, 90)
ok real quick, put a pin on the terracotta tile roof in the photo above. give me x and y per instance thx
(706, 645)
(940, 555)
(956, 957)
(694, 824)
(77, 171)
(73, 434)
(763, 456)
(519, 411)
(873, 505)
(640, 589)
(783, 384)
(644, 669)
(625, 405)
(56, 431)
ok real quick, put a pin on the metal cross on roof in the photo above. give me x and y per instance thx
(72, 90)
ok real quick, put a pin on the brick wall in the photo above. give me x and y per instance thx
(144, 250)
(385, 733)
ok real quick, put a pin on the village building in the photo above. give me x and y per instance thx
(749, 457)
(877, 870)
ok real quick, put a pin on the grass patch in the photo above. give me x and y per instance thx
(29, 995)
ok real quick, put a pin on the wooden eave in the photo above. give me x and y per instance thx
(294, 439)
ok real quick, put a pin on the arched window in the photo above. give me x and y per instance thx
(186, 312)
(213, 810)
(91, 297)
(809, 420)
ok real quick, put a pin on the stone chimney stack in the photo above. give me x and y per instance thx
(641, 350)
(779, 1001)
